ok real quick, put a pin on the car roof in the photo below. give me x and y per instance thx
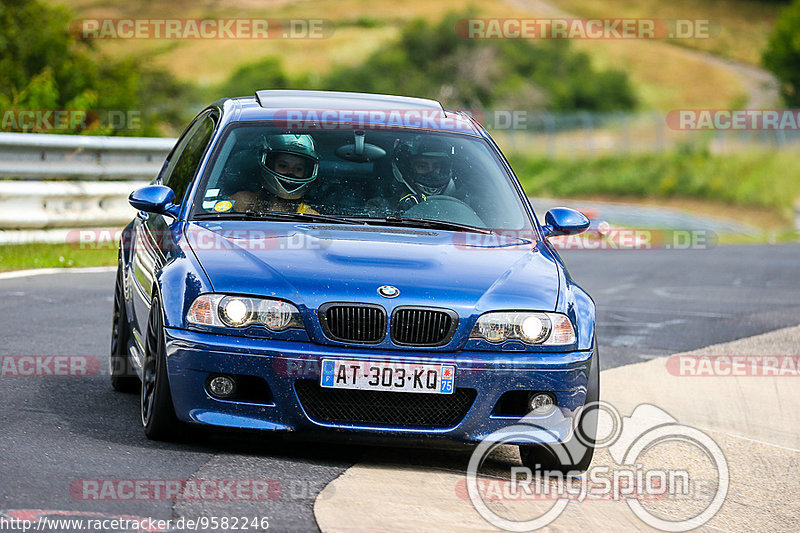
(295, 99)
(364, 109)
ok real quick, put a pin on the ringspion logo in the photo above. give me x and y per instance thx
(628, 440)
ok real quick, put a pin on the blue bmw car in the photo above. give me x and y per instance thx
(351, 265)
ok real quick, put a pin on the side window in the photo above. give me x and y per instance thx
(182, 170)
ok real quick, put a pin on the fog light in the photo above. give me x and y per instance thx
(222, 387)
(541, 403)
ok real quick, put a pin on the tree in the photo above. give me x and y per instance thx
(246, 80)
(433, 61)
(45, 68)
(782, 55)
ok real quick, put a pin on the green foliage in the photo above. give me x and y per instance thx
(362, 22)
(758, 179)
(431, 60)
(245, 81)
(43, 67)
(782, 55)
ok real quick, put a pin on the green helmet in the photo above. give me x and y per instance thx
(290, 163)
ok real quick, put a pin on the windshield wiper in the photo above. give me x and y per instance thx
(392, 220)
(396, 220)
(275, 215)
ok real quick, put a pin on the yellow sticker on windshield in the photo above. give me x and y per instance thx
(222, 206)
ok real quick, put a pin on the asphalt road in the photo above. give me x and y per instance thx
(58, 431)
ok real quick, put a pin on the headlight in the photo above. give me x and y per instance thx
(239, 312)
(551, 329)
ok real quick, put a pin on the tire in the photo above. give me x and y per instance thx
(157, 411)
(576, 453)
(123, 377)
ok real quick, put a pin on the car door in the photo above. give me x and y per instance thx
(153, 236)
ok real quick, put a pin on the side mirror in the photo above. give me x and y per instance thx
(564, 221)
(155, 199)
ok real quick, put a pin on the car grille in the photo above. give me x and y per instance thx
(361, 323)
(382, 408)
(366, 324)
(422, 327)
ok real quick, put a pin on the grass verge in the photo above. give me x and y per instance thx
(58, 255)
(759, 188)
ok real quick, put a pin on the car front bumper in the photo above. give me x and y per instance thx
(194, 356)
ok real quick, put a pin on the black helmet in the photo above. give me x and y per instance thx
(288, 185)
(424, 164)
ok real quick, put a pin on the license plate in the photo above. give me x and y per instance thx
(385, 376)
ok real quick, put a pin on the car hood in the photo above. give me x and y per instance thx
(312, 264)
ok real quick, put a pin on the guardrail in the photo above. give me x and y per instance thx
(42, 156)
(50, 181)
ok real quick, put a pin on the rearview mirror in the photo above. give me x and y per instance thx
(155, 199)
(564, 221)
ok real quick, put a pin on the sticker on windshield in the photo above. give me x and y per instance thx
(222, 206)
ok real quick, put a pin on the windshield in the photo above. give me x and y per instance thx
(386, 175)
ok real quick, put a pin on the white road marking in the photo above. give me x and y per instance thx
(617, 288)
(703, 314)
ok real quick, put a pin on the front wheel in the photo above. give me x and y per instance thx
(123, 378)
(158, 412)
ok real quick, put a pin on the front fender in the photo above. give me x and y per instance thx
(179, 282)
(584, 315)
(575, 303)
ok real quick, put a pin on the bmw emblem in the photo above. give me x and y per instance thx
(388, 291)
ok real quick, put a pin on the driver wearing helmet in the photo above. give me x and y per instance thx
(288, 166)
(423, 166)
